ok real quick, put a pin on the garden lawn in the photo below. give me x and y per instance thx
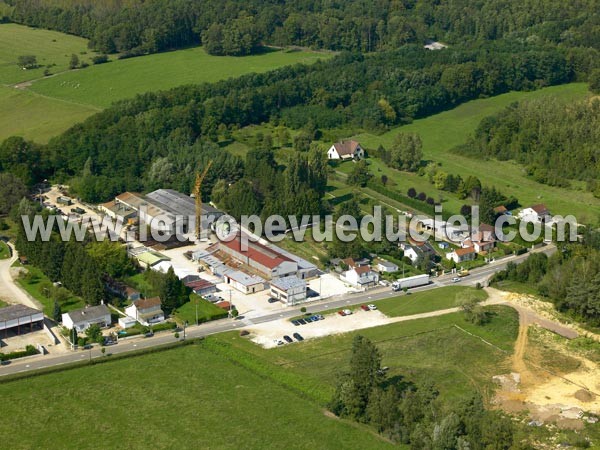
(186, 397)
(206, 311)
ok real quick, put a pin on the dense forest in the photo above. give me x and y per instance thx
(557, 142)
(163, 138)
(238, 26)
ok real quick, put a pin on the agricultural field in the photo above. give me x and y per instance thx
(184, 397)
(104, 84)
(36, 117)
(442, 132)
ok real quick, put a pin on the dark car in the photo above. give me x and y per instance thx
(273, 300)
(5, 362)
(308, 319)
(149, 334)
(298, 337)
(295, 322)
(302, 321)
(288, 339)
(86, 347)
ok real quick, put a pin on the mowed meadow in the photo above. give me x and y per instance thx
(38, 107)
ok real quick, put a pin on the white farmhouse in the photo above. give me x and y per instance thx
(346, 150)
(535, 213)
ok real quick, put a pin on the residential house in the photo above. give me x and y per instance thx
(462, 254)
(361, 277)
(120, 289)
(146, 311)
(535, 213)
(345, 150)
(82, 319)
(386, 266)
(479, 243)
(291, 290)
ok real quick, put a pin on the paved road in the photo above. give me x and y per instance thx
(480, 275)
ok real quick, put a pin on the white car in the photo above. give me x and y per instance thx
(347, 312)
(372, 307)
(456, 279)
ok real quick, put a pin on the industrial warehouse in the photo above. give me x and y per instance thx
(161, 209)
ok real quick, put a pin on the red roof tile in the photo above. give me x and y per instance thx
(257, 252)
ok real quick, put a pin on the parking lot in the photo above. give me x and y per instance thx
(268, 334)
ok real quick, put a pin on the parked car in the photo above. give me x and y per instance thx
(295, 322)
(149, 334)
(455, 279)
(278, 341)
(372, 307)
(273, 300)
(341, 313)
(86, 347)
(320, 317)
(302, 321)
(364, 307)
(109, 341)
(5, 362)
(298, 337)
(288, 339)
(347, 312)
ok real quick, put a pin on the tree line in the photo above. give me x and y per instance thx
(556, 141)
(238, 27)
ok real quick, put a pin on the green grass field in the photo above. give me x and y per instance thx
(103, 84)
(426, 301)
(4, 250)
(51, 48)
(182, 398)
(206, 311)
(442, 132)
(33, 116)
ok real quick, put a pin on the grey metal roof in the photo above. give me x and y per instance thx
(16, 311)
(286, 283)
(87, 314)
(177, 203)
(387, 264)
(243, 278)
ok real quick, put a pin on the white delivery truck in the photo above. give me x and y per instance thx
(410, 282)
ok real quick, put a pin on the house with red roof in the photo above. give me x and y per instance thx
(462, 254)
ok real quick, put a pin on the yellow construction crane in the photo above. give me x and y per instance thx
(198, 195)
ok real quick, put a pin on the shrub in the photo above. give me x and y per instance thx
(29, 350)
(100, 59)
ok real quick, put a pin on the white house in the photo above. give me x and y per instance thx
(246, 284)
(81, 319)
(386, 266)
(462, 254)
(291, 290)
(146, 311)
(535, 213)
(362, 276)
(345, 150)
(410, 252)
